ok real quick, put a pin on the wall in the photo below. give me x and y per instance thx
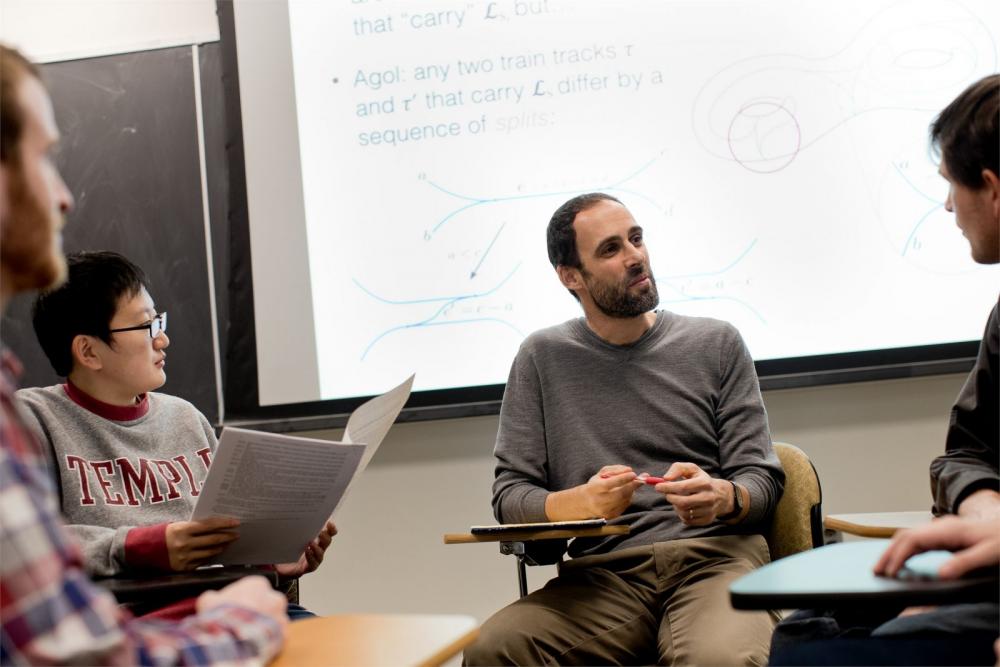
(53, 30)
(871, 443)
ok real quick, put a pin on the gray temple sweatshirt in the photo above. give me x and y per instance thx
(123, 473)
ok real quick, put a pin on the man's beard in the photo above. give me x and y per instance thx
(614, 300)
(26, 251)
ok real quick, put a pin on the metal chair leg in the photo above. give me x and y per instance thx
(517, 549)
(522, 576)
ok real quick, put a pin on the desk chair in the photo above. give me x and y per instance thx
(535, 546)
(143, 594)
(798, 519)
(797, 524)
(873, 524)
(840, 576)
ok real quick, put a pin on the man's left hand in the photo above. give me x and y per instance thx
(697, 497)
(312, 556)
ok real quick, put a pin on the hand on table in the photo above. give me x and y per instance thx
(253, 592)
(976, 543)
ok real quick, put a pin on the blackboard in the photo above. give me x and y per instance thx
(129, 154)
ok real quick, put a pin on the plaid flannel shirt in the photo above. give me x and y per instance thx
(51, 613)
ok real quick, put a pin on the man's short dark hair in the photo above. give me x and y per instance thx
(13, 69)
(85, 304)
(965, 133)
(560, 234)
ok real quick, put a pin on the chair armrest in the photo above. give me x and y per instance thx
(541, 545)
(531, 535)
(876, 524)
(540, 552)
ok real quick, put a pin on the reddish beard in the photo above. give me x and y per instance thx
(30, 257)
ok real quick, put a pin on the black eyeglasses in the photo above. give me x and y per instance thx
(156, 326)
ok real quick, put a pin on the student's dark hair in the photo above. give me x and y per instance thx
(965, 133)
(85, 304)
(13, 69)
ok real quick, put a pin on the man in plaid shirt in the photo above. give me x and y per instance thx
(50, 613)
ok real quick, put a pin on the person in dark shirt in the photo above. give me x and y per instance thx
(964, 480)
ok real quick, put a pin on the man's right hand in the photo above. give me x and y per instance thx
(606, 495)
(193, 543)
(252, 592)
(976, 543)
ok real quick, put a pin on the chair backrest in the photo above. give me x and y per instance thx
(798, 519)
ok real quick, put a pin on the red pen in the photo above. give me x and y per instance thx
(648, 479)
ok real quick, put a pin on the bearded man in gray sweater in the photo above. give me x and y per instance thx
(594, 406)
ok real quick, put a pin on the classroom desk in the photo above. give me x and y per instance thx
(875, 524)
(369, 640)
(840, 575)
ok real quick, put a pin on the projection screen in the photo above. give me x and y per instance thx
(402, 160)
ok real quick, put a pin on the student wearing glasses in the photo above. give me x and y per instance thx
(129, 462)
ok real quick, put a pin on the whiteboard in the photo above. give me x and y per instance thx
(775, 154)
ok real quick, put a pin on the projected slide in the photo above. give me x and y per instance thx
(774, 152)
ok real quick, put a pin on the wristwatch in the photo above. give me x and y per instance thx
(737, 504)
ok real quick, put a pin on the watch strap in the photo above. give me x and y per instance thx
(739, 505)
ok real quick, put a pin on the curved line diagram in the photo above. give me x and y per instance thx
(911, 238)
(480, 201)
(445, 301)
(913, 186)
(788, 156)
(938, 205)
(665, 280)
(801, 145)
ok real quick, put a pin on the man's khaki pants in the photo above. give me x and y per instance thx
(667, 603)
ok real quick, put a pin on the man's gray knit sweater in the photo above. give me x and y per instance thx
(685, 391)
(123, 473)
